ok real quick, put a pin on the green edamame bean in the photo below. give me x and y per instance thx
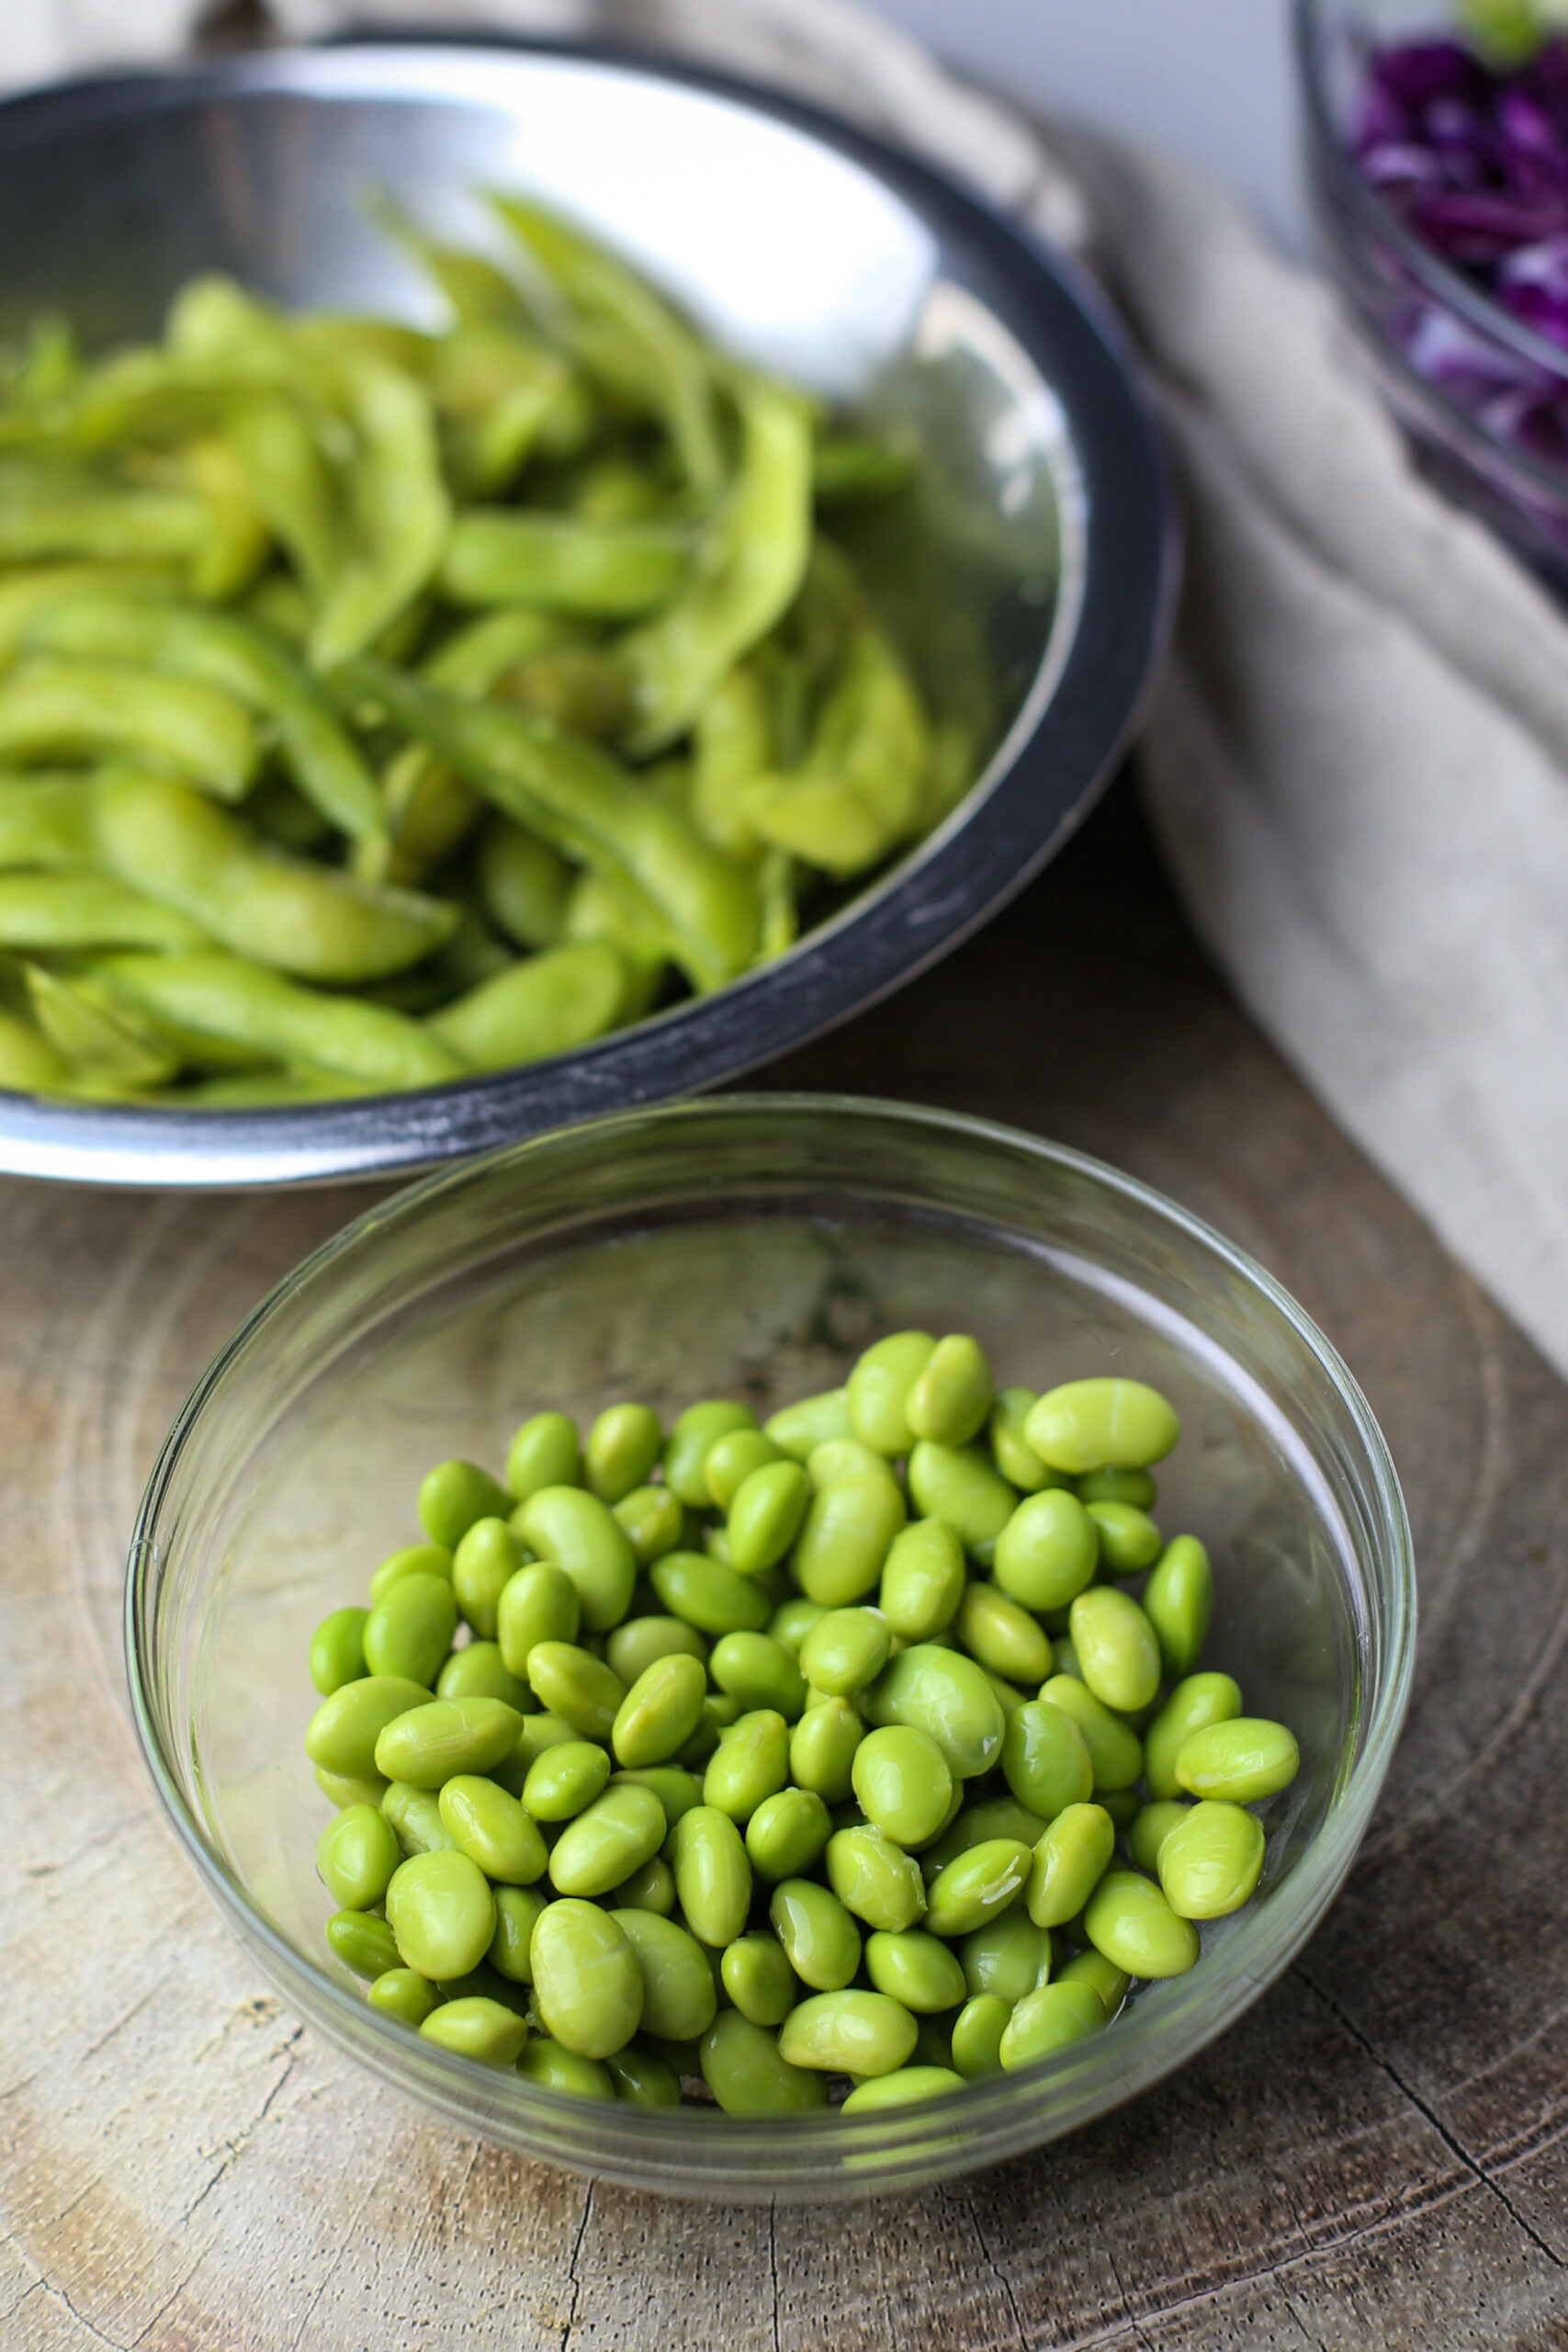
(903, 2087)
(477, 2029)
(430, 1744)
(1010, 1698)
(875, 1880)
(766, 1514)
(713, 1719)
(642, 2078)
(980, 1883)
(1244, 1759)
(494, 1831)
(623, 1446)
(732, 1460)
(951, 1396)
(1069, 1861)
(710, 1594)
(677, 1791)
(816, 1933)
(1101, 1425)
(713, 1874)
(454, 1494)
(575, 1686)
(1048, 1551)
(845, 1650)
(758, 1979)
(847, 2033)
(538, 1603)
(479, 1672)
(337, 1650)
(751, 1763)
(879, 1387)
(1129, 1540)
(758, 1673)
(357, 1854)
(678, 1998)
(958, 1484)
(923, 1580)
(842, 1457)
(545, 1452)
(660, 1712)
(1009, 1956)
(1002, 1637)
(745, 2069)
(577, 1531)
(483, 1566)
(654, 1521)
(363, 1942)
(607, 1840)
(540, 1731)
(441, 1913)
(1129, 1920)
(822, 1749)
(587, 1982)
(549, 2067)
(1195, 1703)
(640, 1642)
(799, 1429)
(1118, 1654)
(1114, 1751)
(1210, 1861)
(402, 1994)
(844, 1540)
(416, 1820)
(946, 1695)
(409, 1633)
(1010, 1450)
(1121, 1804)
(977, 2033)
(517, 1913)
(694, 1435)
(1148, 1830)
(975, 1825)
(1134, 1486)
(341, 1789)
(1179, 1600)
(343, 1733)
(1052, 2019)
(792, 1621)
(651, 1888)
(786, 1833)
(410, 1560)
(916, 1970)
(1109, 1981)
(903, 1782)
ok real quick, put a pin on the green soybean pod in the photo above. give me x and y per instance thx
(410, 1560)
(1101, 1425)
(1179, 1600)
(643, 2078)
(577, 1531)
(713, 1874)
(677, 1792)
(902, 1781)
(845, 1537)
(678, 1998)
(1134, 1486)
(654, 1521)
(1002, 1635)
(822, 1749)
(732, 1460)
(786, 1833)
(1244, 1759)
(494, 1831)
(816, 1933)
(341, 1789)
(361, 1941)
(1092, 1968)
(755, 1670)
(1118, 1654)
(710, 1594)
(342, 1733)
(915, 1969)
(799, 1429)
(693, 1436)
(409, 1633)
(946, 1695)
(517, 1913)
(551, 2067)
(1070, 1860)
(1210, 1861)
(878, 1390)
(1115, 1752)
(623, 1445)
(357, 1854)
(545, 1452)
(758, 1979)
(1195, 1703)
(1129, 1540)
(454, 1494)
(1010, 1450)
(1050, 2020)
(977, 1886)
(403, 1994)
(587, 1982)
(660, 1712)
(1150, 1826)
(337, 1650)
(923, 1580)
(1009, 1956)
(484, 1562)
(751, 1763)
(479, 1672)
(575, 1686)
(430, 1743)
(951, 1396)
(845, 1650)
(958, 1484)
(841, 1457)
(978, 2031)
(477, 2029)
(744, 2068)
(538, 1603)
(441, 1911)
(416, 1819)
(847, 2033)
(766, 1515)
(1048, 1551)
(1130, 1921)
(875, 1880)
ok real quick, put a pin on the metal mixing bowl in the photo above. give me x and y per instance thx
(1029, 574)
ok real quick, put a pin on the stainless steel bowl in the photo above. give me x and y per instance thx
(1031, 575)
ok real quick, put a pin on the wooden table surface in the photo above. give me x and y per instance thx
(1376, 2156)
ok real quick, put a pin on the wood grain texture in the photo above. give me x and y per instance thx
(1377, 2155)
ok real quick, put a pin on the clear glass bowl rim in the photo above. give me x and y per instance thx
(811, 2158)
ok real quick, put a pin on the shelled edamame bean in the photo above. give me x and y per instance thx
(381, 708)
(735, 1764)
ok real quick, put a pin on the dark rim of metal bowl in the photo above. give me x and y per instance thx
(1056, 758)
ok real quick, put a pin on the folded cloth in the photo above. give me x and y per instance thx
(1358, 762)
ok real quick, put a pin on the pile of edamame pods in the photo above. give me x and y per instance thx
(380, 707)
(738, 1780)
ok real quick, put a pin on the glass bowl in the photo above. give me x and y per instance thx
(752, 1246)
(1453, 366)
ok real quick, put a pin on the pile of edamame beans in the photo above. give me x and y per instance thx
(378, 709)
(779, 1754)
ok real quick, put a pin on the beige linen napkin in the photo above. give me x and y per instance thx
(1359, 761)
